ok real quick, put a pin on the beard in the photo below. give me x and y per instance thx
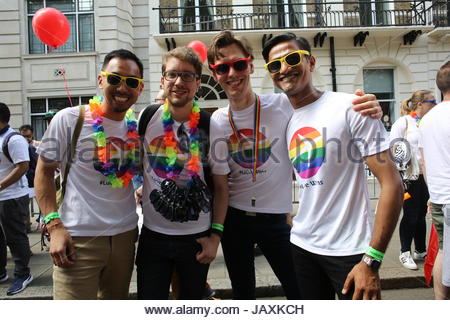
(180, 103)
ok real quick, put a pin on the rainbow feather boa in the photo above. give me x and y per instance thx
(118, 172)
(193, 165)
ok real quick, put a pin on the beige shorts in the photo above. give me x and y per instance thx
(102, 269)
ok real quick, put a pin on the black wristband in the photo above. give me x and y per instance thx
(218, 232)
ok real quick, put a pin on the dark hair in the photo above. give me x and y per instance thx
(224, 39)
(185, 54)
(285, 37)
(5, 114)
(123, 54)
(26, 127)
(443, 78)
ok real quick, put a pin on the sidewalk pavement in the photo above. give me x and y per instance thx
(393, 274)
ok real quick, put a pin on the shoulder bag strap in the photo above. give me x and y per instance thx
(73, 146)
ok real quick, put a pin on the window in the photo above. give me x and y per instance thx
(380, 82)
(39, 107)
(210, 90)
(80, 14)
(295, 13)
(197, 15)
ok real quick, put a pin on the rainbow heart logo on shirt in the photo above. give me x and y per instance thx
(241, 148)
(156, 155)
(117, 151)
(307, 151)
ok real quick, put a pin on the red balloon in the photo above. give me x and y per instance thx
(51, 27)
(200, 48)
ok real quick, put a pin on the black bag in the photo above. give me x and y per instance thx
(32, 154)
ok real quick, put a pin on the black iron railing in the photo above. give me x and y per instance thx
(319, 14)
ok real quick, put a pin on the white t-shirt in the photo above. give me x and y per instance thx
(327, 142)
(91, 207)
(154, 174)
(435, 140)
(18, 150)
(273, 187)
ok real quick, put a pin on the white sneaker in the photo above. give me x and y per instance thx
(419, 255)
(407, 261)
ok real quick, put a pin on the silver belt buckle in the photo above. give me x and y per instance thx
(250, 214)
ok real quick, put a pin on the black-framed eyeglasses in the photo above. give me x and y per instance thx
(224, 67)
(292, 59)
(430, 101)
(115, 79)
(186, 76)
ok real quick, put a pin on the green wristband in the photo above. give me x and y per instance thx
(217, 226)
(374, 253)
(51, 216)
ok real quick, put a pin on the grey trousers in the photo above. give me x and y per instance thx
(13, 233)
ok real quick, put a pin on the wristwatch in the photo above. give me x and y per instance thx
(371, 262)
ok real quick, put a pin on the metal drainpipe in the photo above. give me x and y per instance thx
(333, 64)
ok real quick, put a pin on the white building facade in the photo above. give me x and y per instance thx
(390, 48)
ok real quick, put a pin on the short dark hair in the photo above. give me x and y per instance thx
(5, 114)
(224, 39)
(285, 37)
(185, 54)
(443, 78)
(26, 127)
(123, 54)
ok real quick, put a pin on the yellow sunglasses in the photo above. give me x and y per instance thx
(115, 79)
(292, 59)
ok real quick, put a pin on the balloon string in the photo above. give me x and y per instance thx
(63, 72)
(51, 49)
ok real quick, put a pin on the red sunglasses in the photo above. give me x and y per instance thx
(238, 65)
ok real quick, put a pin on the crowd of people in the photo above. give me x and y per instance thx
(224, 178)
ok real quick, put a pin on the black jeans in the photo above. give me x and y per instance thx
(321, 277)
(413, 225)
(13, 233)
(159, 255)
(272, 234)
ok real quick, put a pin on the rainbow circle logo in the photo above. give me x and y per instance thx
(156, 155)
(241, 150)
(307, 151)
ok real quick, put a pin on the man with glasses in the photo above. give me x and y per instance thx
(260, 179)
(333, 247)
(93, 232)
(181, 230)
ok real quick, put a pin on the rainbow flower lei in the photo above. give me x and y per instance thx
(119, 173)
(193, 165)
(414, 115)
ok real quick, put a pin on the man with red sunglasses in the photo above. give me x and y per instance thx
(334, 249)
(260, 178)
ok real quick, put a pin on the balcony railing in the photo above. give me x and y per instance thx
(319, 14)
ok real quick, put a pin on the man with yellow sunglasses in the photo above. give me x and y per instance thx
(333, 247)
(93, 232)
(260, 176)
